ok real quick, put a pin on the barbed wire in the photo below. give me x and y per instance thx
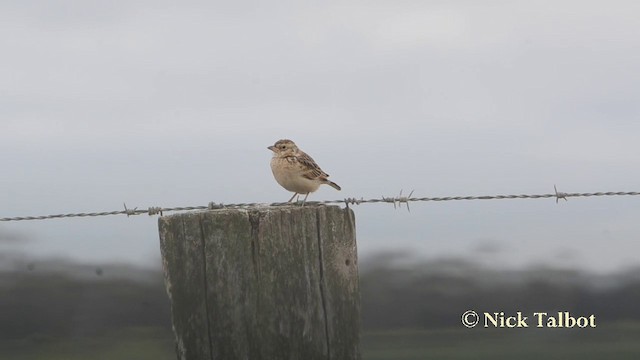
(397, 202)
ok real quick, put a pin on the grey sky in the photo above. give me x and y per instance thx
(164, 103)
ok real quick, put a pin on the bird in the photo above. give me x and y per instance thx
(296, 171)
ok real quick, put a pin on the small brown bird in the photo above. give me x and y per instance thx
(296, 171)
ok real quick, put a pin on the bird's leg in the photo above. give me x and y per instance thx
(294, 195)
(305, 199)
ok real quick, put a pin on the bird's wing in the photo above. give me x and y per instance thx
(311, 170)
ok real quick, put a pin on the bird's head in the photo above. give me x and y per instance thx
(284, 147)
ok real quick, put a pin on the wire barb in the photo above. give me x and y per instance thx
(355, 201)
(154, 210)
(130, 212)
(405, 199)
(399, 200)
(214, 206)
(559, 195)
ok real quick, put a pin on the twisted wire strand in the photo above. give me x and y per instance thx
(395, 200)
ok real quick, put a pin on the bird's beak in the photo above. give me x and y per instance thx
(272, 148)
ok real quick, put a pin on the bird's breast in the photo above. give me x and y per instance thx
(289, 174)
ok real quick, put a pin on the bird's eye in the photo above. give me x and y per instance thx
(283, 147)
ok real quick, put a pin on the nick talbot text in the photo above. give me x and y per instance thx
(561, 319)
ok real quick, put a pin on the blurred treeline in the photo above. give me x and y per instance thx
(52, 300)
(71, 300)
(434, 294)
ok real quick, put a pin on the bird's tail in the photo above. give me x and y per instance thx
(333, 185)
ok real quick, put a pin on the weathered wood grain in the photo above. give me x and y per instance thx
(182, 251)
(263, 283)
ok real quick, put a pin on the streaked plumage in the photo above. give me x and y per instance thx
(296, 171)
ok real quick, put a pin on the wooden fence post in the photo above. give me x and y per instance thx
(263, 283)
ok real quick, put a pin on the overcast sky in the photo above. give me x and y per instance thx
(162, 103)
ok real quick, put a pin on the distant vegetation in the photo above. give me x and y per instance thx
(115, 310)
(434, 294)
